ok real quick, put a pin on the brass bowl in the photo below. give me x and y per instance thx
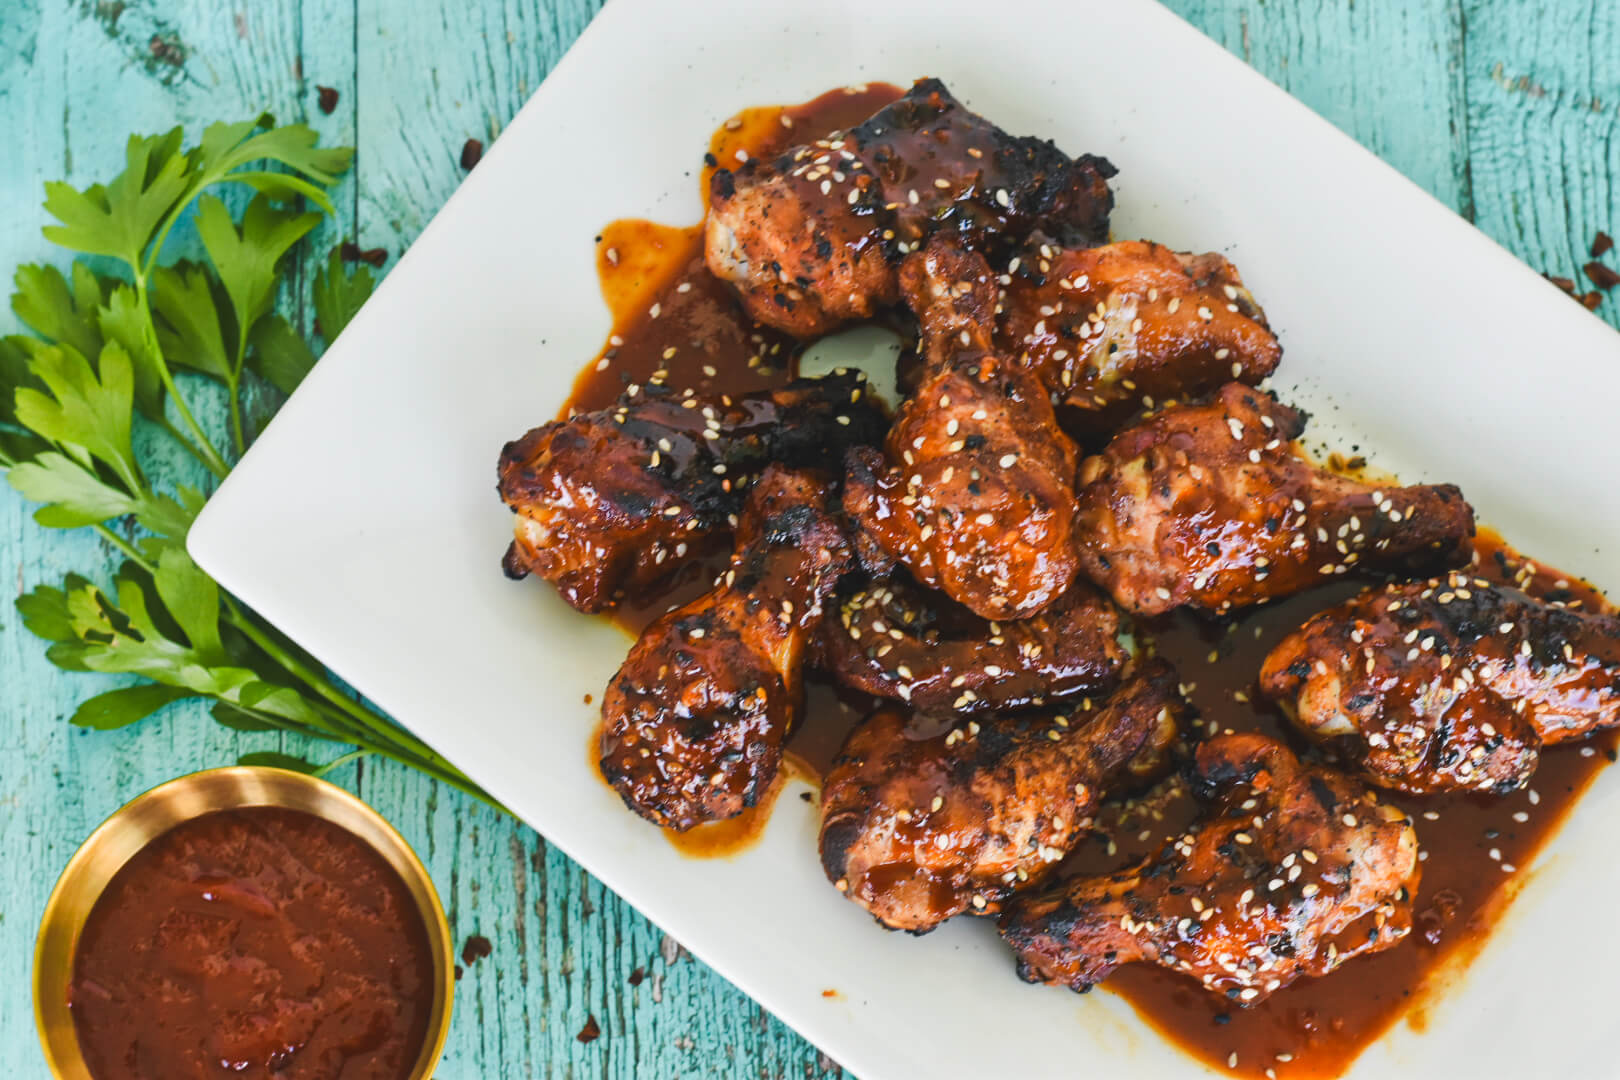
(161, 809)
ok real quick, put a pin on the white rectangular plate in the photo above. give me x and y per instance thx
(365, 524)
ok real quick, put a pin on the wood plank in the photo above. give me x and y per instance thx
(1543, 109)
(1383, 72)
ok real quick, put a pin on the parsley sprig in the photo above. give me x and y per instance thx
(115, 351)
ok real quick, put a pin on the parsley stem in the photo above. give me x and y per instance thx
(167, 426)
(339, 762)
(322, 684)
(446, 774)
(124, 546)
(208, 454)
(233, 393)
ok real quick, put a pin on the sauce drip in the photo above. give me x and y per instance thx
(1477, 849)
(264, 943)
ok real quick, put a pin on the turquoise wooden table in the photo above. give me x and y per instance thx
(1506, 110)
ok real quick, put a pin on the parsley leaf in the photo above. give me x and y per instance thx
(122, 319)
(45, 303)
(84, 414)
(278, 354)
(190, 333)
(124, 706)
(246, 260)
(272, 759)
(74, 495)
(225, 147)
(119, 218)
(338, 295)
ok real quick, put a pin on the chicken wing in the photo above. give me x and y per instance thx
(1448, 685)
(976, 496)
(1125, 326)
(1210, 506)
(917, 830)
(694, 721)
(1295, 870)
(896, 640)
(811, 240)
(609, 502)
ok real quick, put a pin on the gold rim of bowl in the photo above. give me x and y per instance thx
(150, 815)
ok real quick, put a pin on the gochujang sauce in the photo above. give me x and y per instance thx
(260, 943)
(674, 322)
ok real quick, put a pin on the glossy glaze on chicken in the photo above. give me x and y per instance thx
(608, 503)
(1211, 507)
(693, 724)
(812, 239)
(1449, 684)
(897, 640)
(974, 494)
(917, 829)
(1115, 329)
(1295, 870)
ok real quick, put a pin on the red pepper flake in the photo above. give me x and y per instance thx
(1601, 242)
(1592, 300)
(352, 252)
(471, 152)
(587, 699)
(460, 971)
(327, 98)
(168, 49)
(590, 1031)
(476, 948)
(1567, 284)
(637, 976)
(1603, 277)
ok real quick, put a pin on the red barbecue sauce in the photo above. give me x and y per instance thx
(1314, 1028)
(261, 943)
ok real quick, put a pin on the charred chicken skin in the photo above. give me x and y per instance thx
(896, 640)
(1132, 325)
(1295, 870)
(1210, 506)
(609, 502)
(812, 239)
(1453, 684)
(917, 830)
(695, 719)
(975, 496)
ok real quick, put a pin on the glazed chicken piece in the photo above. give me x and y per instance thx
(609, 502)
(1210, 506)
(1132, 325)
(812, 239)
(695, 719)
(917, 830)
(1448, 685)
(896, 640)
(975, 495)
(1294, 870)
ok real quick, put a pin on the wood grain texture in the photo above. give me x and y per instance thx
(1503, 109)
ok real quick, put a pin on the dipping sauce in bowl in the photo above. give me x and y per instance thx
(261, 942)
(251, 923)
